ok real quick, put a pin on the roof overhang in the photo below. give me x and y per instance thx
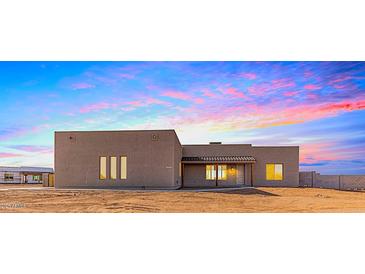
(218, 160)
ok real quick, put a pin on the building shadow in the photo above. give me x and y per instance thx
(241, 191)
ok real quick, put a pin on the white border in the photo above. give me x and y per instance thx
(182, 243)
(182, 30)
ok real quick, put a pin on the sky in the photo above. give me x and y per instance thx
(319, 106)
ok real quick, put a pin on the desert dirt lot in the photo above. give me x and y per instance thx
(20, 198)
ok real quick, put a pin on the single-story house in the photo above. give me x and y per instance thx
(155, 159)
(26, 175)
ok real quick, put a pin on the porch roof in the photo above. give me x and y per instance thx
(218, 159)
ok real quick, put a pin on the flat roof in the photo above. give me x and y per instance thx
(122, 130)
(27, 169)
(268, 146)
(174, 131)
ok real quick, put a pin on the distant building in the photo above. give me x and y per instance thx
(26, 175)
(156, 159)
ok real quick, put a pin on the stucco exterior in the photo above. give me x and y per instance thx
(152, 158)
(157, 160)
(286, 155)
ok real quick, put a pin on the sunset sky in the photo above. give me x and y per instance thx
(317, 105)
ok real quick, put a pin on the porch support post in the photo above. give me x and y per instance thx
(244, 174)
(216, 175)
(251, 174)
(182, 174)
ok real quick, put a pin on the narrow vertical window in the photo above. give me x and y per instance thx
(222, 172)
(102, 168)
(180, 168)
(113, 168)
(210, 172)
(123, 167)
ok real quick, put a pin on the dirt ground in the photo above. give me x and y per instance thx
(20, 198)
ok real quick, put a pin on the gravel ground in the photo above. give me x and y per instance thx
(34, 198)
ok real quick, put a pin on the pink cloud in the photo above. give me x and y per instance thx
(126, 75)
(97, 107)
(199, 100)
(249, 76)
(33, 148)
(313, 112)
(290, 93)
(259, 89)
(209, 93)
(321, 151)
(146, 101)
(142, 101)
(277, 84)
(81, 85)
(182, 96)
(251, 115)
(308, 74)
(312, 87)
(282, 83)
(343, 78)
(312, 96)
(17, 132)
(339, 86)
(9, 155)
(234, 93)
(176, 95)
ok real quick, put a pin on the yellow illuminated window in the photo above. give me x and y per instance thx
(113, 168)
(274, 172)
(210, 172)
(102, 175)
(123, 167)
(222, 172)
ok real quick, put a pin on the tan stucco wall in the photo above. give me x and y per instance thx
(155, 163)
(177, 161)
(286, 155)
(150, 163)
(194, 176)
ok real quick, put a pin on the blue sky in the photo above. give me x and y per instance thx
(317, 105)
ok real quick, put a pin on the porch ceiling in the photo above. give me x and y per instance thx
(218, 159)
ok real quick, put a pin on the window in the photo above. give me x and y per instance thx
(274, 172)
(37, 178)
(222, 172)
(102, 175)
(180, 169)
(123, 167)
(210, 172)
(8, 177)
(113, 168)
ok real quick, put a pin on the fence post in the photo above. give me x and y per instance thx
(339, 182)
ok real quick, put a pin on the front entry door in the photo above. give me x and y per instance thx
(227, 175)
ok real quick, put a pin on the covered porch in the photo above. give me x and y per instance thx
(217, 171)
